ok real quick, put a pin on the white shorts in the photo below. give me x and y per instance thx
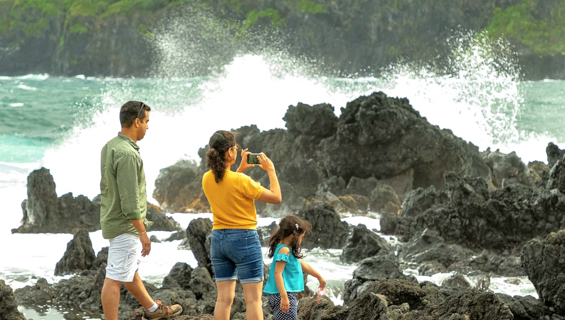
(123, 258)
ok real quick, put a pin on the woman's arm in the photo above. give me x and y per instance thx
(273, 195)
(309, 270)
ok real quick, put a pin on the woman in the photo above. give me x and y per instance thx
(235, 249)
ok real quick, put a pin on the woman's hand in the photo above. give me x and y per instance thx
(285, 304)
(265, 163)
(244, 165)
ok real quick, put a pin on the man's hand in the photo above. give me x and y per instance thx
(146, 244)
(285, 304)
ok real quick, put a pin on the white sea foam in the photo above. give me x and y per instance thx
(38, 77)
(479, 103)
(28, 88)
(180, 124)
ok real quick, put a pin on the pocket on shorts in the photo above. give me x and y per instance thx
(237, 248)
(215, 248)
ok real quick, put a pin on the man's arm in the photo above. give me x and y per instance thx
(143, 237)
(126, 177)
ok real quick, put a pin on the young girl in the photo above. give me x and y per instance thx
(285, 276)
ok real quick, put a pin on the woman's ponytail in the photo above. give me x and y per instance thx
(219, 143)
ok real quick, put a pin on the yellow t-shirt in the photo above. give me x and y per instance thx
(232, 200)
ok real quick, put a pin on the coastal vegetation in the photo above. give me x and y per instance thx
(534, 24)
(349, 37)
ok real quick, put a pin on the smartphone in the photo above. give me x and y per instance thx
(252, 158)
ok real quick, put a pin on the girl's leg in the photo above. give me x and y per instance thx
(252, 293)
(226, 293)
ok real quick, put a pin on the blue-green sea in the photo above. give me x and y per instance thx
(63, 122)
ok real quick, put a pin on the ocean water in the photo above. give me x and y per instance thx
(62, 123)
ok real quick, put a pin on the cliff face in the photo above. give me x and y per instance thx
(110, 47)
(342, 37)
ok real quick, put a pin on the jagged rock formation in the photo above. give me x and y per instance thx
(198, 233)
(362, 244)
(8, 304)
(328, 231)
(45, 213)
(79, 255)
(379, 149)
(544, 261)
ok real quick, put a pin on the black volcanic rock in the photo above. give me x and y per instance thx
(160, 221)
(79, 255)
(178, 188)
(8, 304)
(467, 213)
(384, 265)
(376, 142)
(317, 121)
(383, 199)
(181, 274)
(382, 137)
(362, 244)
(556, 177)
(427, 248)
(544, 261)
(202, 285)
(328, 231)
(554, 154)
(198, 232)
(43, 212)
(471, 304)
(39, 295)
(507, 169)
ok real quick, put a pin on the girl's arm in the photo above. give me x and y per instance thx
(279, 268)
(309, 270)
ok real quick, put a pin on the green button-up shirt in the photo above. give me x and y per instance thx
(123, 195)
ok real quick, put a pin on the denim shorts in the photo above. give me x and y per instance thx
(236, 252)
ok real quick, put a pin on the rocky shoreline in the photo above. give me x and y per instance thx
(453, 208)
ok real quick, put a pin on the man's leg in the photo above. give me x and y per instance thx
(226, 293)
(252, 293)
(111, 298)
(137, 288)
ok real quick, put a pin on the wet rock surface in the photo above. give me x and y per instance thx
(178, 188)
(43, 211)
(507, 169)
(469, 214)
(362, 244)
(198, 235)
(379, 148)
(544, 262)
(328, 231)
(8, 304)
(160, 221)
(79, 255)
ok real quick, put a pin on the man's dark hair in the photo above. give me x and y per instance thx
(130, 111)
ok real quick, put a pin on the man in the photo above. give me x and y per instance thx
(123, 215)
